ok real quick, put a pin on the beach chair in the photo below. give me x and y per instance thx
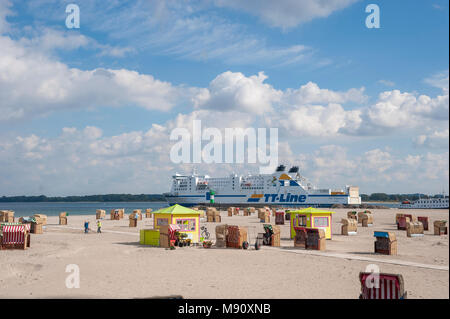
(14, 236)
(402, 221)
(268, 232)
(440, 227)
(391, 286)
(279, 218)
(315, 239)
(300, 237)
(424, 220)
(352, 215)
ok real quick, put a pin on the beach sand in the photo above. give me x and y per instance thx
(114, 265)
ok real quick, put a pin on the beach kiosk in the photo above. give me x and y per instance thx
(187, 219)
(311, 218)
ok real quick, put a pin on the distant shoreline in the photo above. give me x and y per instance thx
(380, 201)
(107, 198)
(91, 201)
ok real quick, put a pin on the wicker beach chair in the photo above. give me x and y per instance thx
(268, 232)
(391, 286)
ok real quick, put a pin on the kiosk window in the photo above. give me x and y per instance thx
(162, 221)
(301, 220)
(320, 221)
(186, 224)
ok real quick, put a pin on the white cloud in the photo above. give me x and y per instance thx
(47, 40)
(306, 111)
(314, 111)
(436, 6)
(397, 109)
(235, 91)
(311, 93)
(176, 29)
(317, 120)
(436, 139)
(32, 83)
(92, 132)
(412, 160)
(439, 80)
(84, 160)
(375, 170)
(330, 162)
(435, 167)
(138, 162)
(386, 83)
(287, 13)
(5, 10)
(377, 160)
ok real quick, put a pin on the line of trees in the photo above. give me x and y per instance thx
(87, 198)
(383, 197)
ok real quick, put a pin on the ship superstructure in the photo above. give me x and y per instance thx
(431, 203)
(280, 188)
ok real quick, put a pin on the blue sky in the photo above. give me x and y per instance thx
(90, 110)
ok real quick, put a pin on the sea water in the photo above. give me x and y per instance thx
(75, 208)
(88, 208)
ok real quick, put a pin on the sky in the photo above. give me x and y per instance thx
(90, 110)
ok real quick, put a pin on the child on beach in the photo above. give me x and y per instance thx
(86, 227)
(99, 226)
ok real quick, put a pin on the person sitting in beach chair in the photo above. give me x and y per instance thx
(381, 286)
(268, 232)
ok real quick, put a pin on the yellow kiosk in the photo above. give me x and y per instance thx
(311, 218)
(188, 220)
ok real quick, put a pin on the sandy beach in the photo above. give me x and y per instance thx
(114, 265)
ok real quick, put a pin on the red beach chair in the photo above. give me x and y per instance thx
(424, 221)
(172, 236)
(401, 223)
(279, 218)
(15, 236)
(391, 286)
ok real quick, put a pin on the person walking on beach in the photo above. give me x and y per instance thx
(99, 226)
(86, 227)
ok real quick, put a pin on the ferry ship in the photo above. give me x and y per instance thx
(280, 188)
(432, 203)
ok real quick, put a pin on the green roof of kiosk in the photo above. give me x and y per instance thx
(176, 210)
(309, 210)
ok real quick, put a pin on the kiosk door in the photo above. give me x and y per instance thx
(300, 221)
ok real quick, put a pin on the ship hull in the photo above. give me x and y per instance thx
(423, 207)
(269, 199)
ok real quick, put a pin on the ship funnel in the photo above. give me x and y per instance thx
(293, 169)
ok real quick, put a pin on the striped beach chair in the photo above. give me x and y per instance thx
(15, 235)
(173, 228)
(391, 286)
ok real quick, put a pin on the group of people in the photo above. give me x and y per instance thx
(86, 226)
